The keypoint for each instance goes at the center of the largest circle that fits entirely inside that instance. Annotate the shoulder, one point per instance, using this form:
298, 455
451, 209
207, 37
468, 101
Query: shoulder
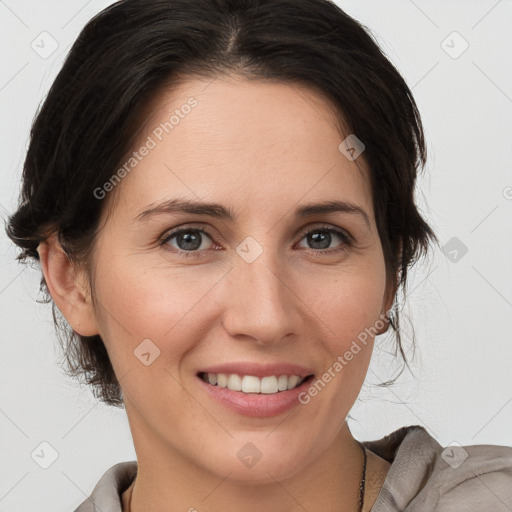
476, 477
427, 476
106, 496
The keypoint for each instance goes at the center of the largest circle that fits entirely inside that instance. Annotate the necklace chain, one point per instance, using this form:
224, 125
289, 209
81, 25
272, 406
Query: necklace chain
363, 479
361, 484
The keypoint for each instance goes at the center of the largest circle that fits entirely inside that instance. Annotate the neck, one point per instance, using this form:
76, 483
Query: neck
167, 480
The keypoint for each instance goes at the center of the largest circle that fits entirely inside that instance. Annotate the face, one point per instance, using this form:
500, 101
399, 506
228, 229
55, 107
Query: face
258, 280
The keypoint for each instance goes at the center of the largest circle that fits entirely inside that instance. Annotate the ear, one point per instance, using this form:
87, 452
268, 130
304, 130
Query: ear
387, 303
68, 287
389, 297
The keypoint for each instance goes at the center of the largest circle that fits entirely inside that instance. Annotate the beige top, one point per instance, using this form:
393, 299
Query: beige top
423, 477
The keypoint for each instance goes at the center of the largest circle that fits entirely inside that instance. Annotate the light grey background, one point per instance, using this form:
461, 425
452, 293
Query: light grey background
461, 390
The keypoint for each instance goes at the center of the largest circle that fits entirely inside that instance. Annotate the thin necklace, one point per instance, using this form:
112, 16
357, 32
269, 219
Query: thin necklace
361, 485
363, 479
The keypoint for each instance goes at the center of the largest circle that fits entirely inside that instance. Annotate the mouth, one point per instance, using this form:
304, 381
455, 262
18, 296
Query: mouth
256, 389
251, 384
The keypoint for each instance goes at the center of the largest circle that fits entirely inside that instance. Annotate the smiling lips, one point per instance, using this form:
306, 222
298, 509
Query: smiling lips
253, 389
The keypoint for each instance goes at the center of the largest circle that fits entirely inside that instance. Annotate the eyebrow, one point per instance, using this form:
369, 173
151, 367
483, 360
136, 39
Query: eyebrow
219, 211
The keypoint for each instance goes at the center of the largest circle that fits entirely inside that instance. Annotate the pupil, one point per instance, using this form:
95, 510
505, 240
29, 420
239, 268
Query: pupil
318, 237
188, 241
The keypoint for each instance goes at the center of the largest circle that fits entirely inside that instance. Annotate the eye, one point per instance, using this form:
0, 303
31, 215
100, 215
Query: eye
192, 241
321, 238
187, 241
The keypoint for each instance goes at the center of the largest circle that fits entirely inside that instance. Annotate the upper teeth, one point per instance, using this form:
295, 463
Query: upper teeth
252, 384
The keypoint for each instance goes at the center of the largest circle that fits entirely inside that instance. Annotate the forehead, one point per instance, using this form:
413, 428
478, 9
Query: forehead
254, 145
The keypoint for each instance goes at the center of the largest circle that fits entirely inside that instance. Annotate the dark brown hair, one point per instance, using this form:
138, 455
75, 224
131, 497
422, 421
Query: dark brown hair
127, 53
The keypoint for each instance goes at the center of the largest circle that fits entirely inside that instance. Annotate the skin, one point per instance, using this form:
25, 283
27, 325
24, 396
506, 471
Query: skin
261, 149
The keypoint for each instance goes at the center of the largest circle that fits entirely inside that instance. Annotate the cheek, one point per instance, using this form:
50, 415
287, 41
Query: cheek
346, 306
348, 301
160, 304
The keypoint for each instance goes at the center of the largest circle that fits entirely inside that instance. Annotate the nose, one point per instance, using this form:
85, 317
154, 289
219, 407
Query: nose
260, 304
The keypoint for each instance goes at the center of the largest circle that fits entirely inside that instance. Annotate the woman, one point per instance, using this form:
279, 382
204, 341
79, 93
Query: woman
221, 196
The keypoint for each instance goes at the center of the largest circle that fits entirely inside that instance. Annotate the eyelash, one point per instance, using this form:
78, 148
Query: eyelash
347, 240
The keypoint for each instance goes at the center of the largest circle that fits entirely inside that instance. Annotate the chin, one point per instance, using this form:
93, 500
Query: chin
257, 461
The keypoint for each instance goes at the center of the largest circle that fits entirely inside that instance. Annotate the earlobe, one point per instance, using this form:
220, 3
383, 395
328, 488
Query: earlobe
382, 323
67, 287
387, 305
389, 298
